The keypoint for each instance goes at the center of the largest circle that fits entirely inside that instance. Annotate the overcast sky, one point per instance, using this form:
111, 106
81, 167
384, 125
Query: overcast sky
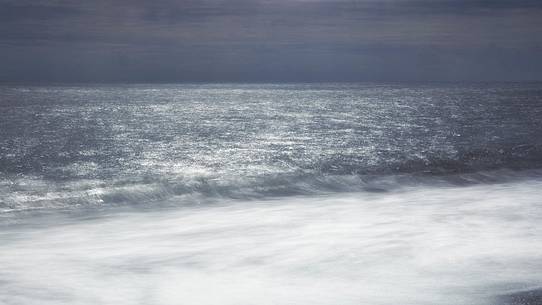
270, 40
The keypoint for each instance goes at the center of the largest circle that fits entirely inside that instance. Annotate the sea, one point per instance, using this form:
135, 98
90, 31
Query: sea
271, 194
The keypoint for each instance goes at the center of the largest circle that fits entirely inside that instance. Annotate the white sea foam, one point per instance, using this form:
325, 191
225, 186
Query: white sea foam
454, 245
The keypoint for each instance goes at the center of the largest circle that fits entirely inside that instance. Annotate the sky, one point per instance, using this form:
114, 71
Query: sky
270, 40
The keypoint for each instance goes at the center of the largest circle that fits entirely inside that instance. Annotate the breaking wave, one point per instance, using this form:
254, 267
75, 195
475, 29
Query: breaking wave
36, 193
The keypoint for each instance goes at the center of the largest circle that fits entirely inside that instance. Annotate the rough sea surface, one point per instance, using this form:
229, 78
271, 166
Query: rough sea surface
336, 194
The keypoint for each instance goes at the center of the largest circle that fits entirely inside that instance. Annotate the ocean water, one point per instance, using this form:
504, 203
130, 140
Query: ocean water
271, 194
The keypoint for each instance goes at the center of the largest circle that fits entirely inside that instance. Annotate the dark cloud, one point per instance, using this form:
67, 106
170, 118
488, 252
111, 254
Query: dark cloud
274, 40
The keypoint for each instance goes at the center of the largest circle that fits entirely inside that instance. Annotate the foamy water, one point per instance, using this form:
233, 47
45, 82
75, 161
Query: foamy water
420, 246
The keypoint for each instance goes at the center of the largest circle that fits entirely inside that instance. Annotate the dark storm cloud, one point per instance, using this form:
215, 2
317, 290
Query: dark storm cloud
275, 40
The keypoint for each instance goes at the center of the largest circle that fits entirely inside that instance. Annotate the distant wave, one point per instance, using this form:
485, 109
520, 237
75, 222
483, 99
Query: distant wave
341, 173
28, 193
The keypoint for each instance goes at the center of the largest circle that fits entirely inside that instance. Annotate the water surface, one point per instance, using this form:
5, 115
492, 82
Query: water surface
270, 194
